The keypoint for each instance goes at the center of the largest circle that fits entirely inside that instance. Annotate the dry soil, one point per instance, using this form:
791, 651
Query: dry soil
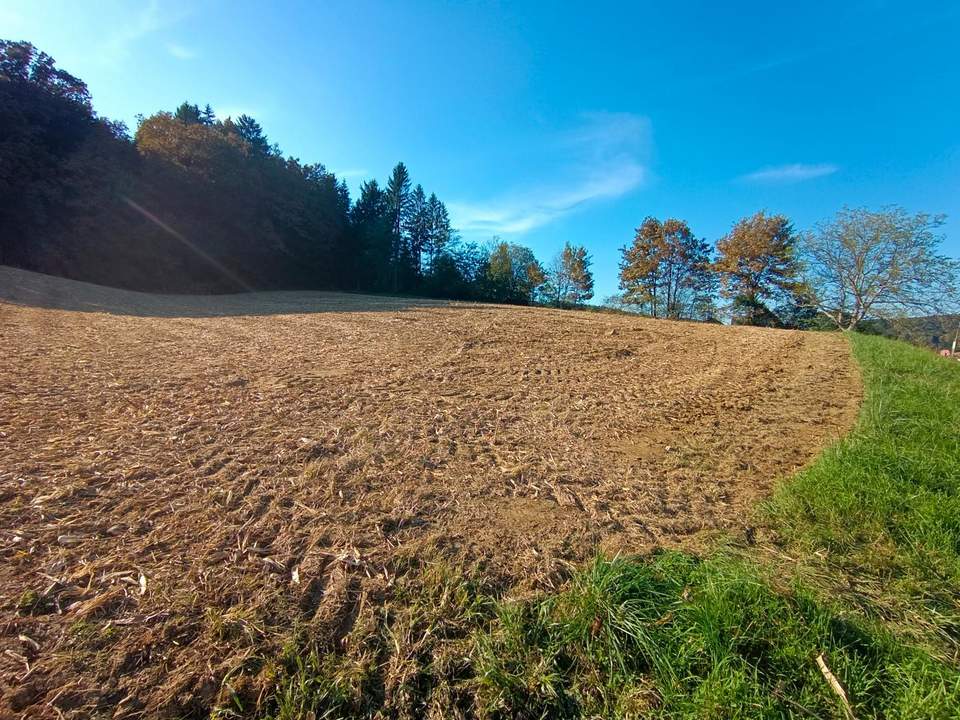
167, 463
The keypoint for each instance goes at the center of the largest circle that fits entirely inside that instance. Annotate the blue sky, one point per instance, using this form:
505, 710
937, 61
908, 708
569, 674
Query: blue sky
544, 122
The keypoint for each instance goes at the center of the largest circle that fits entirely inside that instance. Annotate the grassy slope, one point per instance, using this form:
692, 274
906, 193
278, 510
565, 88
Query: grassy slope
883, 506
865, 570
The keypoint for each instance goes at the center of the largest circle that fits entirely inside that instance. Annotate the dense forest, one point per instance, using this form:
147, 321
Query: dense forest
194, 203
189, 202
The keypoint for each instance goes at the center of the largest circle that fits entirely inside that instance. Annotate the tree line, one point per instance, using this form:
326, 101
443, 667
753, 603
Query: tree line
860, 265
190, 202
194, 203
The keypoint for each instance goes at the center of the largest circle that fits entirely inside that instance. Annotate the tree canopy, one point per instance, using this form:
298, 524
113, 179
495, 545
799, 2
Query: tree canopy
757, 264
192, 203
569, 280
878, 264
513, 273
666, 269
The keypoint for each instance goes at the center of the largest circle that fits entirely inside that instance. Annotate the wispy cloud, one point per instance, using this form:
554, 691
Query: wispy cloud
151, 18
180, 52
600, 159
796, 172
532, 209
118, 42
852, 41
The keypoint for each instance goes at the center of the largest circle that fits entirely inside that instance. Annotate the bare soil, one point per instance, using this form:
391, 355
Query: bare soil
183, 479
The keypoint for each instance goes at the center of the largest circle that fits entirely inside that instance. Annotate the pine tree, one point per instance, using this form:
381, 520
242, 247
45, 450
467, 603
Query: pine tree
417, 229
207, 116
440, 232
370, 221
343, 197
250, 130
188, 114
398, 208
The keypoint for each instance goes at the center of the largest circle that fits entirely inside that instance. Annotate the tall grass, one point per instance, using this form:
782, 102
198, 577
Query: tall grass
865, 573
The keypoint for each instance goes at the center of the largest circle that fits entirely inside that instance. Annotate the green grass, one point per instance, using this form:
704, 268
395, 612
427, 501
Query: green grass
679, 637
880, 511
866, 570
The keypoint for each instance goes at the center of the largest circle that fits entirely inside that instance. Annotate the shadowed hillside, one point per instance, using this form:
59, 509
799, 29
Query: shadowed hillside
21, 287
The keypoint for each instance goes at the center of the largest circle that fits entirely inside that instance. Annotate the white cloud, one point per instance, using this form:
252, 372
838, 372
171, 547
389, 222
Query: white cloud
600, 159
534, 208
605, 134
150, 19
790, 173
180, 52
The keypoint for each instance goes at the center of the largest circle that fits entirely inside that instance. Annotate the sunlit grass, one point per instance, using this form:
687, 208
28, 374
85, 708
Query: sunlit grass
882, 508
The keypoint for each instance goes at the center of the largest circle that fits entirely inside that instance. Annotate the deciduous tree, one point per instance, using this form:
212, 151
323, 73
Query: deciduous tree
757, 263
878, 264
193, 204
666, 269
513, 273
569, 280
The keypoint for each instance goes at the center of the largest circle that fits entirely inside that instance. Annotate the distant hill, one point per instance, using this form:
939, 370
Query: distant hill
934, 331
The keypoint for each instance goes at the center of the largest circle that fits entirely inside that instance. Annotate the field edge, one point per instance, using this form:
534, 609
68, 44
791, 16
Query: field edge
738, 630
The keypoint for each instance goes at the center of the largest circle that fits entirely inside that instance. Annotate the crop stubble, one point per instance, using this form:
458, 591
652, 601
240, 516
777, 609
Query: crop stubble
176, 466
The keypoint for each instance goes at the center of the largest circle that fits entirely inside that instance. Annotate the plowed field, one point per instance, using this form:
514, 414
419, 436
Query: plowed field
167, 462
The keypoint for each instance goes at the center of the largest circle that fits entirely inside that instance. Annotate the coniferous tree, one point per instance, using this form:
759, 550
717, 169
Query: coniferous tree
440, 233
417, 230
370, 221
207, 116
398, 208
211, 206
251, 131
187, 113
